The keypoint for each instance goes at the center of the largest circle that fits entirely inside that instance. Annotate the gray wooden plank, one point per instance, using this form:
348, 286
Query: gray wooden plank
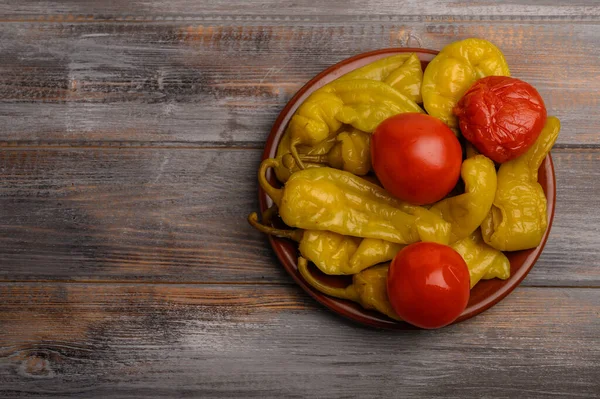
131, 214
180, 215
266, 8
223, 83
73, 340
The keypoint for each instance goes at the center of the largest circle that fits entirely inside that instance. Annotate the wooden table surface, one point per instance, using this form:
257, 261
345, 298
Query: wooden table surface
130, 135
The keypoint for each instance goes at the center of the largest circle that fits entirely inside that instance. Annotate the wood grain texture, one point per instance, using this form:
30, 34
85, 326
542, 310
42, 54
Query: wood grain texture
71, 340
135, 10
179, 215
223, 82
130, 135
130, 214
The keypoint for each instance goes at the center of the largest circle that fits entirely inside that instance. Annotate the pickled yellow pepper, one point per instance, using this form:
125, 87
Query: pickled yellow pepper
518, 218
333, 253
338, 201
465, 212
368, 288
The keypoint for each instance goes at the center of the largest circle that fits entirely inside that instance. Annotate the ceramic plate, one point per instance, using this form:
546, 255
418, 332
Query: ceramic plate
483, 296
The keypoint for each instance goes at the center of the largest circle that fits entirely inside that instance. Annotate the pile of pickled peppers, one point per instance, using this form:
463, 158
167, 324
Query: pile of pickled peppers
346, 223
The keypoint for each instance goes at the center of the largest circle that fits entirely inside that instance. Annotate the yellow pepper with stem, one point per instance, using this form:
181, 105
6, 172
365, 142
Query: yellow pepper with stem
351, 152
334, 200
368, 288
287, 164
315, 119
518, 218
361, 103
333, 253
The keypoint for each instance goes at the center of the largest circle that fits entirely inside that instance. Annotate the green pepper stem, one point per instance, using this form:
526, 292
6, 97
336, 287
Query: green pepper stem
288, 161
314, 158
269, 214
275, 193
295, 235
348, 293
294, 151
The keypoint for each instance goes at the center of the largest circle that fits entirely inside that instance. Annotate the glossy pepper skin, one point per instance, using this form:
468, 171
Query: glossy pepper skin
372, 251
450, 74
402, 72
368, 102
334, 200
315, 118
351, 152
465, 212
361, 103
408, 78
483, 261
333, 253
378, 70
287, 164
368, 288
518, 218
501, 116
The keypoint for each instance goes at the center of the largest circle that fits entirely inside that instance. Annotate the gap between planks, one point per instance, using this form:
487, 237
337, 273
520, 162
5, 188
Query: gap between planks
250, 145
242, 145
154, 282
308, 18
220, 283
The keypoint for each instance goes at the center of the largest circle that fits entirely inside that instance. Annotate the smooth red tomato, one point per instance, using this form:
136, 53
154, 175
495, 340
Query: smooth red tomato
416, 157
428, 284
501, 116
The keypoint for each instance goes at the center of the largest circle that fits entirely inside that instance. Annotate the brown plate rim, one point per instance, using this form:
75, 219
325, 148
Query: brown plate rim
343, 307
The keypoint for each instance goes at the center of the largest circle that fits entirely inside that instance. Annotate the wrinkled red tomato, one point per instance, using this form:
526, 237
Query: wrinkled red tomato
501, 116
428, 284
416, 157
